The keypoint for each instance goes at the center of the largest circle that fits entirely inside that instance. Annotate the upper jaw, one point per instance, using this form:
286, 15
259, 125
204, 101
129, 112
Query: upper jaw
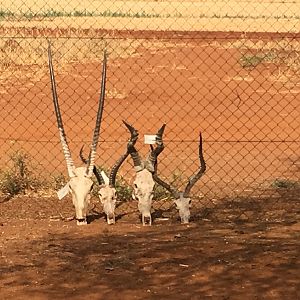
111, 219
81, 221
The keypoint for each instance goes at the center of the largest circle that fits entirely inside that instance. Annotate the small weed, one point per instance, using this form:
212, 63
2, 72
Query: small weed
285, 184
5, 14
248, 61
124, 190
19, 178
160, 193
252, 60
58, 181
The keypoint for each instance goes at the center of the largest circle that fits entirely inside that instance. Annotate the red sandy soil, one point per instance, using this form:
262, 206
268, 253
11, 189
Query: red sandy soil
245, 249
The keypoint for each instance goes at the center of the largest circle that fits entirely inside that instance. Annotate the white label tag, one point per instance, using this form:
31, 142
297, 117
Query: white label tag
149, 139
63, 191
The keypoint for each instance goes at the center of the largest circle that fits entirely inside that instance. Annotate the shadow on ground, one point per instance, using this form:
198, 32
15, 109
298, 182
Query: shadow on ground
242, 248
163, 262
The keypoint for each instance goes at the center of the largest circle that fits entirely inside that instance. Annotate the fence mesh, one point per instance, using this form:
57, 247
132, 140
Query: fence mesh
229, 69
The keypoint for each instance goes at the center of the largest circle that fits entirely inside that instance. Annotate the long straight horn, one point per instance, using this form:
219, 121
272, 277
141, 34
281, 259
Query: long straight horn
199, 174
133, 138
138, 166
63, 138
95, 170
94, 144
152, 159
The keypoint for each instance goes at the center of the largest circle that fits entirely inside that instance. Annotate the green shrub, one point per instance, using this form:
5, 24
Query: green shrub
19, 177
285, 184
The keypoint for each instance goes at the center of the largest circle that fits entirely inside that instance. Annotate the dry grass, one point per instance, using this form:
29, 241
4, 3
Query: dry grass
282, 55
269, 16
25, 59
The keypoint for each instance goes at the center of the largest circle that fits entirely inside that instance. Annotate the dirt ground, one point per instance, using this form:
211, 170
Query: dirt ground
239, 249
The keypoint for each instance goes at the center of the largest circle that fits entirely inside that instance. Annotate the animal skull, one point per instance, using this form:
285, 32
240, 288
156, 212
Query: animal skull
80, 183
143, 193
182, 199
183, 205
80, 187
107, 191
108, 197
144, 184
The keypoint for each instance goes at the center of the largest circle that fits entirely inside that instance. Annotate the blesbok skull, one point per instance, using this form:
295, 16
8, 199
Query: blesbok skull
107, 185
143, 184
182, 199
80, 183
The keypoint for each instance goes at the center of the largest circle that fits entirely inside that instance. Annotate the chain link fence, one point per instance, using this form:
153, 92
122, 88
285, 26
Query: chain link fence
229, 69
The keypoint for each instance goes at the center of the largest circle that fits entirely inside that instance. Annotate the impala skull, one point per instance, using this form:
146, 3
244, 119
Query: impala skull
182, 199
183, 205
80, 183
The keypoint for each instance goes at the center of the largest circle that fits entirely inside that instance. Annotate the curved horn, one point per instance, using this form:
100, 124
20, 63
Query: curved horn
96, 134
197, 176
132, 151
152, 159
134, 136
175, 193
95, 170
63, 138
83, 159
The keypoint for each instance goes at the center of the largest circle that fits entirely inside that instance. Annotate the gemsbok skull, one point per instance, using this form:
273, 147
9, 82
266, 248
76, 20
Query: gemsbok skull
144, 184
182, 199
80, 183
107, 190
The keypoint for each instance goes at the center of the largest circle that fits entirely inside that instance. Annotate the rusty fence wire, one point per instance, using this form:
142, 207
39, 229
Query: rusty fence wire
230, 69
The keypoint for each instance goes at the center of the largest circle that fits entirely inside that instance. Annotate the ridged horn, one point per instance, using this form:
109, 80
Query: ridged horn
63, 138
92, 156
131, 142
198, 175
138, 165
152, 159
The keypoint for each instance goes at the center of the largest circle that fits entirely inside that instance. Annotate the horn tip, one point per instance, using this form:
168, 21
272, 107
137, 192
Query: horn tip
162, 129
130, 128
81, 149
105, 53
